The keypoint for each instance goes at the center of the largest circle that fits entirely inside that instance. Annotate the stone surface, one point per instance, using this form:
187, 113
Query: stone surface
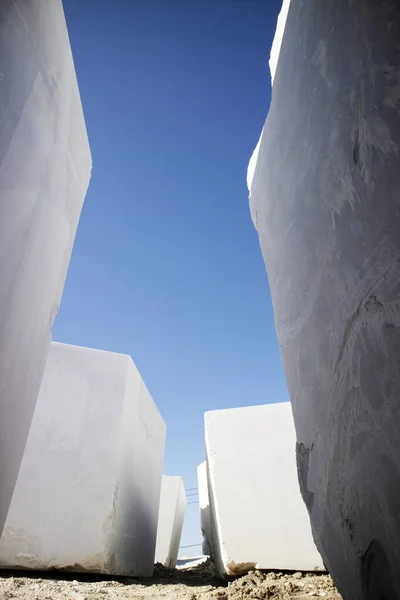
204, 502
258, 518
325, 201
170, 520
45, 167
277, 41
273, 63
87, 496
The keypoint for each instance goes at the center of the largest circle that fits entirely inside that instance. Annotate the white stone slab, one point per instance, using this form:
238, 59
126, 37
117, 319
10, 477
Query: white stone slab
170, 520
204, 503
258, 518
45, 167
190, 562
87, 496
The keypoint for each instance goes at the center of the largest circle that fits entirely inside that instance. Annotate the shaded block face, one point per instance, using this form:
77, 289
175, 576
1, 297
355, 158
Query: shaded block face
45, 167
170, 520
204, 503
326, 203
258, 518
87, 495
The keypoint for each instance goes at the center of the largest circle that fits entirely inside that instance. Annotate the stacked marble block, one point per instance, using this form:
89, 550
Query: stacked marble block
87, 495
325, 198
204, 505
170, 520
45, 167
256, 517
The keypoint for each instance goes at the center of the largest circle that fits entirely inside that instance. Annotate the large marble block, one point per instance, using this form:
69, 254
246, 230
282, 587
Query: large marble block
204, 504
87, 495
45, 167
170, 520
258, 518
325, 199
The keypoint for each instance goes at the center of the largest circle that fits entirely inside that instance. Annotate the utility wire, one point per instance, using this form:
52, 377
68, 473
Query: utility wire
194, 502
189, 495
191, 489
191, 546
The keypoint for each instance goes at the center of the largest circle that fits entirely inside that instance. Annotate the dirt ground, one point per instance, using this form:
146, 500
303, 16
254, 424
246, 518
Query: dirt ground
199, 583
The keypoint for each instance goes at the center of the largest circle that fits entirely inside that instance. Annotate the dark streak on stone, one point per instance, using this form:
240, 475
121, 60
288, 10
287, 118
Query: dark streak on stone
376, 575
303, 456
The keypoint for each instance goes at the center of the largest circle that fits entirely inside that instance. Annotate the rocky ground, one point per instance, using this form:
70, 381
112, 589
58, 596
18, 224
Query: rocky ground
198, 583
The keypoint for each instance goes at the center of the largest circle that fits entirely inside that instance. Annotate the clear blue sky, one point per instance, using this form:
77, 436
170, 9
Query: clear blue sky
166, 265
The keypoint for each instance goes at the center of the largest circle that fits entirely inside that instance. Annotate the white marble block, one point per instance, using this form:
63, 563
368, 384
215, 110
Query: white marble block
170, 520
204, 503
45, 167
258, 518
87, 495
325, 200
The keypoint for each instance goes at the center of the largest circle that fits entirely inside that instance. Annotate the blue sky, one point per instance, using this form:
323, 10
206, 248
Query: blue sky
166, 265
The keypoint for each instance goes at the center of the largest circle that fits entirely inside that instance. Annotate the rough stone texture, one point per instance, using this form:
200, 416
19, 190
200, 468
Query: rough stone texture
87, 496
257, 518
170, 520
325, 201
45, 167
204, 502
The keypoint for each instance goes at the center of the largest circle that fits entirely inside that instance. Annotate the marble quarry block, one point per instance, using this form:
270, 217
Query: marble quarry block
170, 520
258, 518
87, 495
325, 200
204, 503
45, 167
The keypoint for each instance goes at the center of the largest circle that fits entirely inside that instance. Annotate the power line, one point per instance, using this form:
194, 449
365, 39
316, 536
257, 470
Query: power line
195, 494
191, 546
191, 489
194, 502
